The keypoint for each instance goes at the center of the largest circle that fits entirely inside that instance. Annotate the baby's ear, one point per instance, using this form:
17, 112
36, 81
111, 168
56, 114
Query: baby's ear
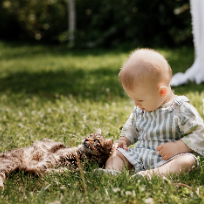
163, 91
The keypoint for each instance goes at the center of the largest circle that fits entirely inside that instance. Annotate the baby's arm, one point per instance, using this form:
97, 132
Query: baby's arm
170, 149
128, 134
123, 142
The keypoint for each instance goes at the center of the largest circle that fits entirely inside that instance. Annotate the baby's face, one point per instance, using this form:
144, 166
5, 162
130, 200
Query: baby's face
145, 97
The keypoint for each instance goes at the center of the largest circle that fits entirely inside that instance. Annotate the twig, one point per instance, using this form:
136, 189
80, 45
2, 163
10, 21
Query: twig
182, 184
82, 177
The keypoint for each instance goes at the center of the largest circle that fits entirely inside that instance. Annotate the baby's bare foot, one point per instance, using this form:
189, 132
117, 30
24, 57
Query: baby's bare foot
143, 174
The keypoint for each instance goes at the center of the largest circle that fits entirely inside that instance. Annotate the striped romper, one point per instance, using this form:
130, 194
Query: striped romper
175, 120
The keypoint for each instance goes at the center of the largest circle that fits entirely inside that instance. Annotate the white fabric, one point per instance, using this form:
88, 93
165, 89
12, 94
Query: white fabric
196, 71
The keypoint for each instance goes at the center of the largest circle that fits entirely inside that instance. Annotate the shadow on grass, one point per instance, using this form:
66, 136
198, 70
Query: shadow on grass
99, 84
15, 50
91, 84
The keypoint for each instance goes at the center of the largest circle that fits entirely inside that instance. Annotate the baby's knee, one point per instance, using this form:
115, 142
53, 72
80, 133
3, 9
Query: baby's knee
187, 161
116, 161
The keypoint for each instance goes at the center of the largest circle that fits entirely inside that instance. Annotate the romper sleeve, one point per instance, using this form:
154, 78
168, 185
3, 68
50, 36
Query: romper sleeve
129, 131
192, 128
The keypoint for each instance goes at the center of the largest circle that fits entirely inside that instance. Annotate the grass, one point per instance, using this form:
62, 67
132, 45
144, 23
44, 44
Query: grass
52, 92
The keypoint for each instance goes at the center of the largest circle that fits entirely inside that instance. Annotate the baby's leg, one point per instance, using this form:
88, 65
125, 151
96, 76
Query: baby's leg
117, 161
179, 164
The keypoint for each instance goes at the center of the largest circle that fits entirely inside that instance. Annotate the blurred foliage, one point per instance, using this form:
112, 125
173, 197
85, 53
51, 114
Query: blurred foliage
40, 20
105, 23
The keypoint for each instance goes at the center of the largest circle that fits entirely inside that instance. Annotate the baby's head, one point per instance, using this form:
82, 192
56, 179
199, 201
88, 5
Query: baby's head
146, 77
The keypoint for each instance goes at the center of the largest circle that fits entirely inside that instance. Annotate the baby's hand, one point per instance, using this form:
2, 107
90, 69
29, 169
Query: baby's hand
123, 143
168, 150
120, 144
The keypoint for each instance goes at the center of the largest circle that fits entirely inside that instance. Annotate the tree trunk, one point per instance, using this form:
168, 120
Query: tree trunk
72, 21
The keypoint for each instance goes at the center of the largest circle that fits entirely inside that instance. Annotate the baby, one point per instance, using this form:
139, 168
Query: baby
165, 128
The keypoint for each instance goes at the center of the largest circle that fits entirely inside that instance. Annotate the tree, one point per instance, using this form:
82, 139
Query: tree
72, 21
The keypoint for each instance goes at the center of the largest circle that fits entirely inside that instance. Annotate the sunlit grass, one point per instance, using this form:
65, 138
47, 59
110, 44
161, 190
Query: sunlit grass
51, 92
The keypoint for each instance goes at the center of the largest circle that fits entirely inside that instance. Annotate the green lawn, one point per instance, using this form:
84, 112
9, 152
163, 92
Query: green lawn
56, 93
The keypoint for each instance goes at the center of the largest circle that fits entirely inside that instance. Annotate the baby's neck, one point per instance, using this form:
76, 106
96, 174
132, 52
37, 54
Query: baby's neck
171, 96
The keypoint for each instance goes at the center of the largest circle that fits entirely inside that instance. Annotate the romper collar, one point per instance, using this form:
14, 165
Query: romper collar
171, 105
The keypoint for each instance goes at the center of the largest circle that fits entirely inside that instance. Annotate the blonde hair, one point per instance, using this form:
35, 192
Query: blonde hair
145, 65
